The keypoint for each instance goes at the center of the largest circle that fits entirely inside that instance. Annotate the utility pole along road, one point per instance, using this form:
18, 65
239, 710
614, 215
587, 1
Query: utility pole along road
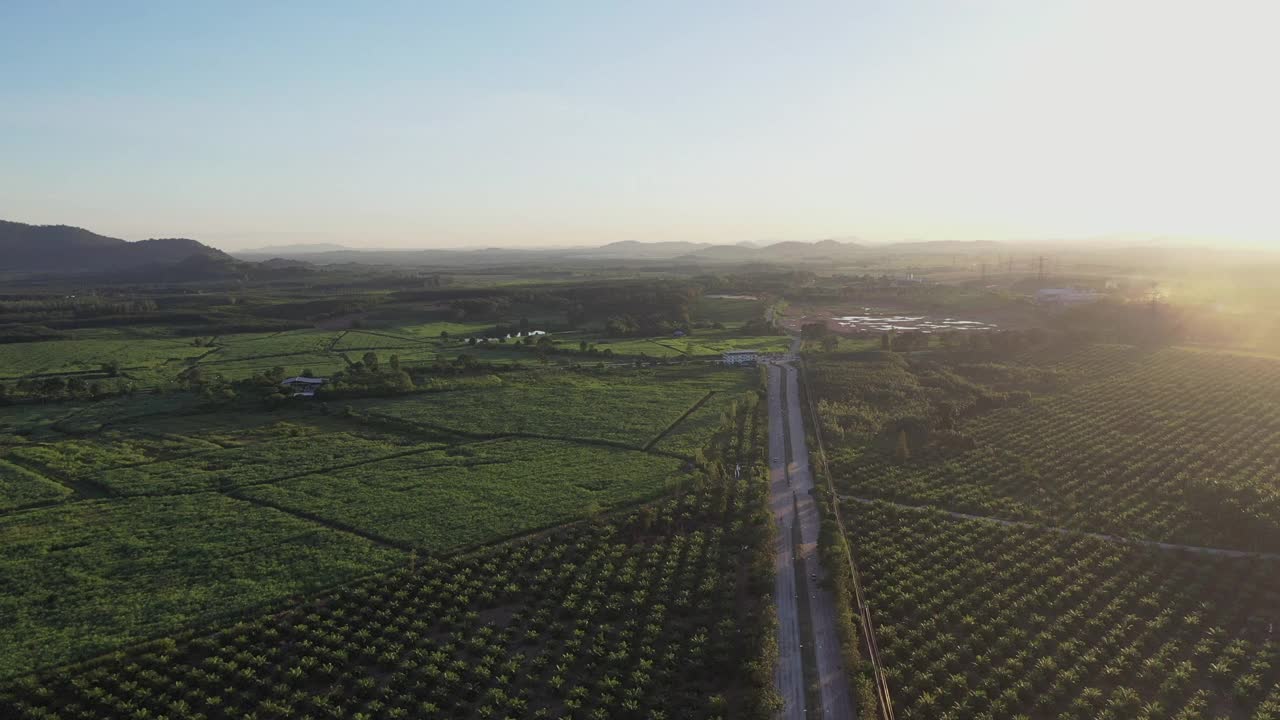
790, 485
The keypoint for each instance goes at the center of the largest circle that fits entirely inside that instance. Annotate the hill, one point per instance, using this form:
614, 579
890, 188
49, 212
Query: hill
295, 249
66, 249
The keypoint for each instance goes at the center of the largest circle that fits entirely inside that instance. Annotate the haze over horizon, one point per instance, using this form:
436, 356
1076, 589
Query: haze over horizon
509, 124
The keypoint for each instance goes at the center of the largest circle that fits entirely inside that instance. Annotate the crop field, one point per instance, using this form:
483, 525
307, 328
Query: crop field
293, 342
21, 423
726, 309
656, 612
1168, 445
981, 620
135, 516
88, 356
702, 344
20, 487
629, 408
444, 499
84, 577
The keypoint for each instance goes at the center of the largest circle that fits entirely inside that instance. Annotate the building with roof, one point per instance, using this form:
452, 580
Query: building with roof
740, 357
302, 386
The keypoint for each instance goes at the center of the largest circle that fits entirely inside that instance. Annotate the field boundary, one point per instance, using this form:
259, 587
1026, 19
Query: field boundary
323, 521
692, 409
84, 489
518, 434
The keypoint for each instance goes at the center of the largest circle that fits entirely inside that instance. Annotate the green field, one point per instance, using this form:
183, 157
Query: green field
660, 612
627, 408
88, 356
473, 493
153, 512
20, 487
86, 577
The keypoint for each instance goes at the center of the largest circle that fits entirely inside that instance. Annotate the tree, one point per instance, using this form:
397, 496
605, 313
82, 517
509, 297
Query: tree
308, 372
194, 377
111, 368
395, 363
902, 452
885, 342
370, 360
403, 383
830, 343
444, 334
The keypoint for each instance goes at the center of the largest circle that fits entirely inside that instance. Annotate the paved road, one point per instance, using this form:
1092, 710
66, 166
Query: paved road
790, 483
1221, 552
789, 675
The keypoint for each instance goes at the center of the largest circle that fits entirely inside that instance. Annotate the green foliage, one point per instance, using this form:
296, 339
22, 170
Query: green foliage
474, 493
118, 571
627, 408
647, 614
20, 487
996, 621
1171, 445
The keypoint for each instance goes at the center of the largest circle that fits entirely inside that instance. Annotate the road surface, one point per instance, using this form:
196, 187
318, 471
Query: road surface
791, 482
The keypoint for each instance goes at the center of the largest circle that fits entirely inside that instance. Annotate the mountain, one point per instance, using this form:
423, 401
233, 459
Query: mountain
66, 249
785, 251
636, 250
295, 249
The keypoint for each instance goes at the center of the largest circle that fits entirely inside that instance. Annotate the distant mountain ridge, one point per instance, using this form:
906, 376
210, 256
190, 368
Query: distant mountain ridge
67, 249
296, 249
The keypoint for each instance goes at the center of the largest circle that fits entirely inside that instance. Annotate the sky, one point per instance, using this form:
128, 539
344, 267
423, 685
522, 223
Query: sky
464, 124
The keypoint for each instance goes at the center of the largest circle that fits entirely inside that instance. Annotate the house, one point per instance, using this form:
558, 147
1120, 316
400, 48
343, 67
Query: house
302, 386
739, 357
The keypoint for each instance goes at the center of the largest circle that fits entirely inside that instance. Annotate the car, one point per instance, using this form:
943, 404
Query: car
813, 577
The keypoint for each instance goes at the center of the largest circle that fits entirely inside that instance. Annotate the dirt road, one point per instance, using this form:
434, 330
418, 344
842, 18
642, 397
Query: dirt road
791, 483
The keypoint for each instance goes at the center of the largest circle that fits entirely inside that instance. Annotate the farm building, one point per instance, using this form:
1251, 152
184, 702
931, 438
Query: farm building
739, 357
302, 386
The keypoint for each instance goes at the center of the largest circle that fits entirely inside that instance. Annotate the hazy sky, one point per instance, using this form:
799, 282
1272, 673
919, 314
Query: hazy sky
540, 122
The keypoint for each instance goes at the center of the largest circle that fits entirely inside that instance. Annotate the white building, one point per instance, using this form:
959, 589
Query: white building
302, 386
739, 357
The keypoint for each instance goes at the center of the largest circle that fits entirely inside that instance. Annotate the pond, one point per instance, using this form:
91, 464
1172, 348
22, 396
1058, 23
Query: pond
884, 322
